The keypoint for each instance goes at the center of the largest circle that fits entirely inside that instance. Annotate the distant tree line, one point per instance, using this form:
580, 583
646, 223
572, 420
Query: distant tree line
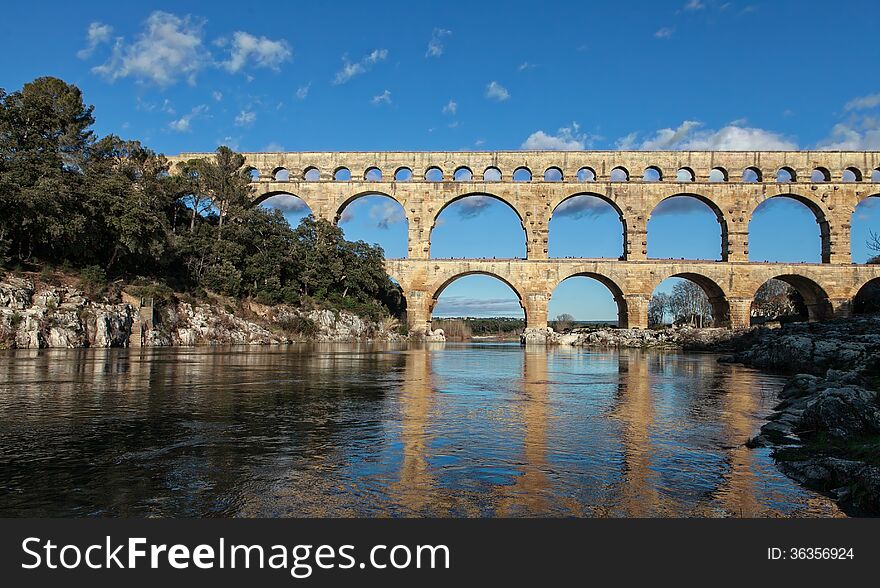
111, 208
467, 327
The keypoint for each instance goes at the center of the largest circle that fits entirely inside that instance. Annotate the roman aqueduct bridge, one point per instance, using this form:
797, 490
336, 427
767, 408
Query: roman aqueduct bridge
535, 183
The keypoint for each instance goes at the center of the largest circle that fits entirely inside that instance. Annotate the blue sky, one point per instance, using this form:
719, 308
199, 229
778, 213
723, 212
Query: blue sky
293, 76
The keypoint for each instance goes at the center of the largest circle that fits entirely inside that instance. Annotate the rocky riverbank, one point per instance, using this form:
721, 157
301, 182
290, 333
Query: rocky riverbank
826, 429
36, 314
666, 338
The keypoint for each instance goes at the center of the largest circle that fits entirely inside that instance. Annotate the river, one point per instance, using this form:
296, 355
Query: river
464, 430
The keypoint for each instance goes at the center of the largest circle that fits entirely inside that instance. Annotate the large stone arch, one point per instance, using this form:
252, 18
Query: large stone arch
613, 287
438, 287
348, 200
262, 196
816, 206
851, 225
717, 294
708, 201
818, 302
604, 198
501, 198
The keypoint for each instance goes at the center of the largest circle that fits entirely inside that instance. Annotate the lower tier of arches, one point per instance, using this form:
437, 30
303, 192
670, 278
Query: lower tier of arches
827, 290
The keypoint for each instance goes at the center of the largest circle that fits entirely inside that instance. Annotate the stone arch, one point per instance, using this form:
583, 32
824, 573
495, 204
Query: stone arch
342, 205
619, 174
286, 206
263, 196
251, 173
458, 197
438, 287
522, 174
403, 174
718, 297
463, 174
862, 220
718, 174
852, 174
786, 175
752, 174
586, 174
311, 174
373, 174
875, 175
433, 174
685, 174
613, 287
819, 213
652, 173
719, 216
604, 198
390, 213
492, 174
281, 174
342, 174
553, 174
867, 298
820, 174
815, 297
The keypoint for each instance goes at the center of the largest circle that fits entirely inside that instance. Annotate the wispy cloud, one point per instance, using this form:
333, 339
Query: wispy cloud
473, 206
451, 108
435, 45
170, 47
690, 135
863, 102
184, 123
681, 205
350, 70
97, 34
383, 98
286, 203
303, 91
565, 139
248, 50
583, 207
495, 91
664, 33
694, 5
245, 118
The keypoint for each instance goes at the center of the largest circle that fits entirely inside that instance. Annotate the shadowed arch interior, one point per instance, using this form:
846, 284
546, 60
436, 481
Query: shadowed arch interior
816, 299
867, 299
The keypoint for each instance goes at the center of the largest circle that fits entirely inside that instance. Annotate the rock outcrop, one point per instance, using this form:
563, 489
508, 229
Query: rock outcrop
35, 315
669, 337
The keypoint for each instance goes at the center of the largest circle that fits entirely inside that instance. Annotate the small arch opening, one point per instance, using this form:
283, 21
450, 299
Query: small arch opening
752, 175
820, 174
252, 173
522, 174
553, 174
463, 174
342, 174
785, 175
492, 174
651, 174
875, 176
281, 174
434, 174
718, 174
403, 174
619, 174
373, 174
852, 174
685, 174
586, 174
312, 174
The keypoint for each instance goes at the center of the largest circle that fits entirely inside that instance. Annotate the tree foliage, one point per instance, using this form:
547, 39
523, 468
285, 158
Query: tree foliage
116, 207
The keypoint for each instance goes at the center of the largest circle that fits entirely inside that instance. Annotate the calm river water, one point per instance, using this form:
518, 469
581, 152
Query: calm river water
358, 430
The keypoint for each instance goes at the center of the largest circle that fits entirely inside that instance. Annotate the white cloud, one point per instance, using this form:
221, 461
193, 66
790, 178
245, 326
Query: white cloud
285, 203
97, 34
863, 102
217, 95
690, 135
170, 47
583, 206
565, 139
435, 45
450, 108
257, 51
303, 91
245, 118
496, 91
383, 98
350, 70
183, 124
386, 214
525, 65
664, 33
694, 5
860, 136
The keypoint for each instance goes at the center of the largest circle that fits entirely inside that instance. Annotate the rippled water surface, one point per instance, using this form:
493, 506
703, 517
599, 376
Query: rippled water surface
356, 430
